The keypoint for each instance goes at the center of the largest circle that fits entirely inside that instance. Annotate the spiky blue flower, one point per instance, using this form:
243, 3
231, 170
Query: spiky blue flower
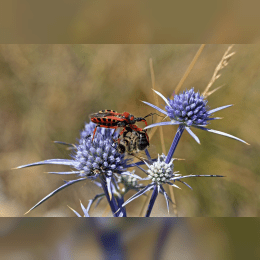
98, 156
189, 109
160, 172
91, 159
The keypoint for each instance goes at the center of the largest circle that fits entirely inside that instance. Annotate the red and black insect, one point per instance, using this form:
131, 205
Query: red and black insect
112, 119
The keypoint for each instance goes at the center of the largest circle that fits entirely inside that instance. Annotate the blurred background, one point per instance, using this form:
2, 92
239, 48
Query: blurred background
48, 92
134, 238
129, 21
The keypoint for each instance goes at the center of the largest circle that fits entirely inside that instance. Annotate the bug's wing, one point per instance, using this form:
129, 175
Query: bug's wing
116, 118
99, 115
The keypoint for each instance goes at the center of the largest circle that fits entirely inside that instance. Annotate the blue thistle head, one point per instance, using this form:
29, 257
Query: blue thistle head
98, 156
189, 108
90, 159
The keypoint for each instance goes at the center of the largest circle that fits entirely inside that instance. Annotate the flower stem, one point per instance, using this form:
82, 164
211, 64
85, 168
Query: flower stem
112, 202
175, 143
120, 202
153, 198
148, 154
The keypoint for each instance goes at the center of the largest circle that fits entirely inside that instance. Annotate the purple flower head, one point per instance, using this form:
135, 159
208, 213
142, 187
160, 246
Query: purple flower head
188, 108
90, 159
98, 156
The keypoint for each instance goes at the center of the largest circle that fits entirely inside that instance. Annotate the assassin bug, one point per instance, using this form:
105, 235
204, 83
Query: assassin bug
112, 119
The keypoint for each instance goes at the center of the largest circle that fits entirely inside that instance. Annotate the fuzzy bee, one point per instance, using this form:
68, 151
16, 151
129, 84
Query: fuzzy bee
133, 142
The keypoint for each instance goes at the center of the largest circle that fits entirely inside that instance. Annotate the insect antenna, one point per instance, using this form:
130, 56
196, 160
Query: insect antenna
151, 114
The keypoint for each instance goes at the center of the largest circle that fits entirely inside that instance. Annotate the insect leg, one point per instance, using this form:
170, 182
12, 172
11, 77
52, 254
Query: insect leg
94, 132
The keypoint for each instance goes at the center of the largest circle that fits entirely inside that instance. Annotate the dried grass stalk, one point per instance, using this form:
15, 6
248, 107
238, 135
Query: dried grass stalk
222, 64
187, 72
151, 135
157, 104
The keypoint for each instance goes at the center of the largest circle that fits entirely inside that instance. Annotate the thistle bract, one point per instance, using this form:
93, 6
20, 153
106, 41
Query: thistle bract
85, 210
189, 108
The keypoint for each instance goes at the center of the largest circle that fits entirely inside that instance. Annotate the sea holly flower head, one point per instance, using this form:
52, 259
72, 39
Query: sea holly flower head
188, 108
90, 159
129, 180
98, 156
161, 172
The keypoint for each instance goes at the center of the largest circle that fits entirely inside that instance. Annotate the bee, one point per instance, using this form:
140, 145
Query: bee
133, 141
